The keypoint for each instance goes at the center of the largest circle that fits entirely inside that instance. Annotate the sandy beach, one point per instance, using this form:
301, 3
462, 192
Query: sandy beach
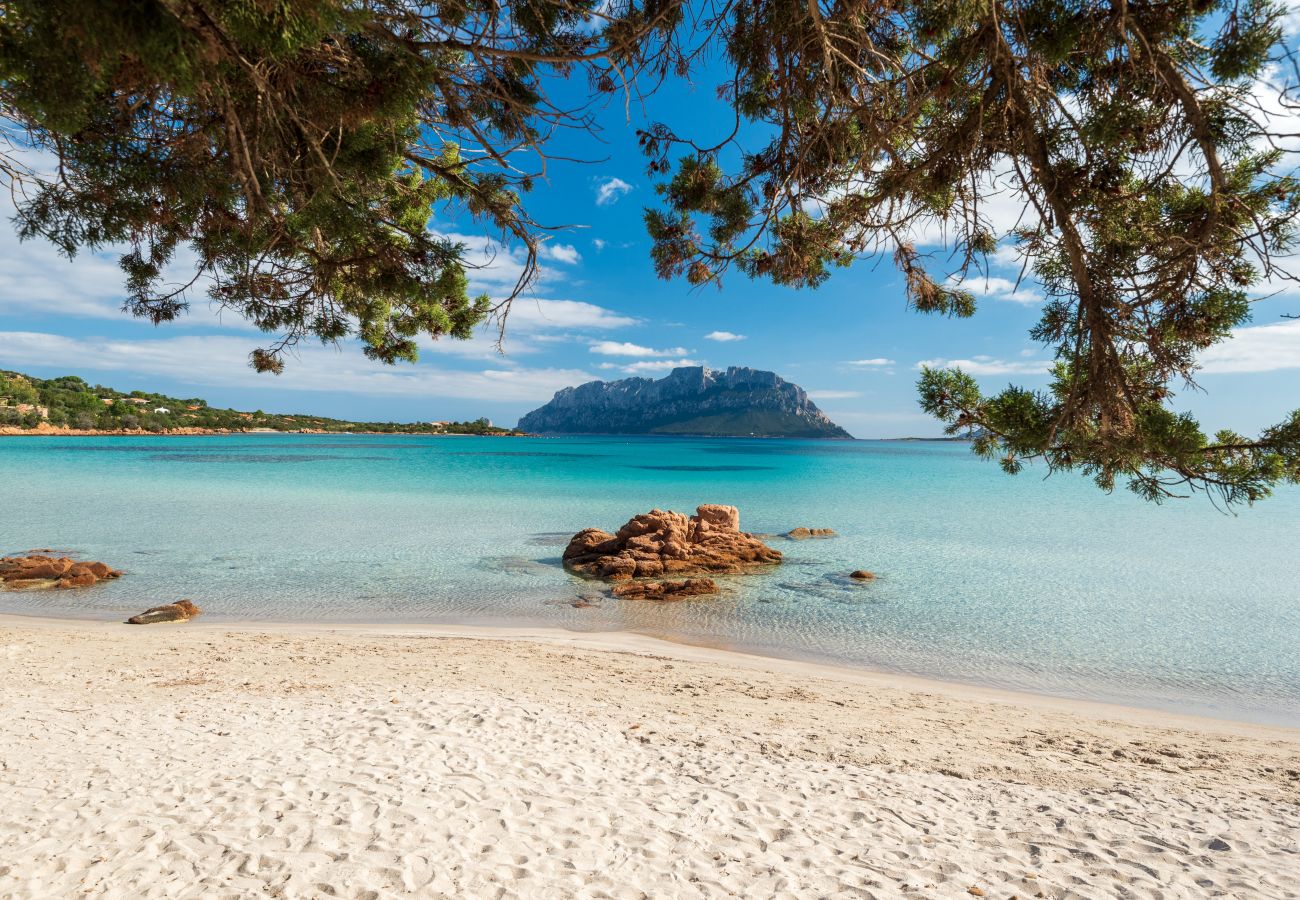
204, 760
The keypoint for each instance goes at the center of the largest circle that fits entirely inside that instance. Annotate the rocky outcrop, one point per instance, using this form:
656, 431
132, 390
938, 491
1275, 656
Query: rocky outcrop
661, 543
689, 400
38, 570
665, 590
803, 534
180, 611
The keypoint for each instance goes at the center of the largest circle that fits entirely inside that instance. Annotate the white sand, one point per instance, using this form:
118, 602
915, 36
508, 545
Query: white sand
203, 761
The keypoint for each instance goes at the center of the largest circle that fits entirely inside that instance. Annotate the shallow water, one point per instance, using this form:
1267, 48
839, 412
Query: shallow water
1039, 584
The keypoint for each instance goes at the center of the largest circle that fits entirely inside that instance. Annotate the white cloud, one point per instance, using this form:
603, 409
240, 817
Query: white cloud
1256, 348
562, 253
531, 314
834, 395
988, 365
35, 279
598, 243
495, 268
624, 348
723, 336
223, 361
658, 365
996, 288
610, 190
876, 363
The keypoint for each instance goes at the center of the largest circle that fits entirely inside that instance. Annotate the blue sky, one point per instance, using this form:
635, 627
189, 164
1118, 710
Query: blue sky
599, 312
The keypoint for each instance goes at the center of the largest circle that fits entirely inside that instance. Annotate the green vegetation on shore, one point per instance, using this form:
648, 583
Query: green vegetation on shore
69, 402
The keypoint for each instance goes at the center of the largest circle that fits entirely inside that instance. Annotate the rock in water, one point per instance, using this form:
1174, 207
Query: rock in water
803, 534
180, 611
661, 542
665, 590
39, 571
862, 575
688, 400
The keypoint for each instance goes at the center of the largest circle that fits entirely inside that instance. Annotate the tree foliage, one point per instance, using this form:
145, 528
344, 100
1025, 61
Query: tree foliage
294, 152
1133, 142
69, 401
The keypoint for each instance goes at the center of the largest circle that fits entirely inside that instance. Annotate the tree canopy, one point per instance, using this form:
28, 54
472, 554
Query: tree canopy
296, 149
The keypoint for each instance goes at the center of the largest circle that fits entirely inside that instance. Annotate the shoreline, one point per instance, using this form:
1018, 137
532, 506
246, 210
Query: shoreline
308, 761
217, 432
638, 643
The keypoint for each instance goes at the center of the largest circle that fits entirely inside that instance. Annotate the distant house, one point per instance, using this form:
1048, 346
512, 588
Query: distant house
107, 401
42, 411
162, 409
138, 401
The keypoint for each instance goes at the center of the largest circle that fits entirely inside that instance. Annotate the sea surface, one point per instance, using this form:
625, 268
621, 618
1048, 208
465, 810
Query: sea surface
1042, 584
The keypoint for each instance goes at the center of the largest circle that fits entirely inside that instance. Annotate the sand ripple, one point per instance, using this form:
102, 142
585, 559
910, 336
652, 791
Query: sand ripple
212, 765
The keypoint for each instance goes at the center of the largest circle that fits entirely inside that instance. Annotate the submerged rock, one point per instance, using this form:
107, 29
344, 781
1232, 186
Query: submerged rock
665, 590
803, 534
663, 542
39, 571
180, 611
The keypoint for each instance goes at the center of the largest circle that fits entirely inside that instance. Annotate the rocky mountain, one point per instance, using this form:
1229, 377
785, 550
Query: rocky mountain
689, 401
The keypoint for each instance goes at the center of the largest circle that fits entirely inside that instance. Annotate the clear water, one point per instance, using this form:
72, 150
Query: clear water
1040, 584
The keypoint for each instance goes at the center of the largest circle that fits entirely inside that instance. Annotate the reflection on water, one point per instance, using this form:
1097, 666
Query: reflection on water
1023, 582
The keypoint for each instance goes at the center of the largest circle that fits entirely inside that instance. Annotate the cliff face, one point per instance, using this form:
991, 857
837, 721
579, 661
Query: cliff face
690, 400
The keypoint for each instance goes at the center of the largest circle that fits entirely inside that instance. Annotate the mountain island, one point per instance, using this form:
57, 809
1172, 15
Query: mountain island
691, 400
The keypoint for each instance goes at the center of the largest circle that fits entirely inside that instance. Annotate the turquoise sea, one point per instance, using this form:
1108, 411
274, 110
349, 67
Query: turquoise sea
1040, 584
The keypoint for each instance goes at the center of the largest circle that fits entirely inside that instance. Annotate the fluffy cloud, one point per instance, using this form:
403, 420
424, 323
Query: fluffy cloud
609, 190
624, 348
1256, 348
988, 365
495, 268
878, 362
723, 336
598, 243
658, 365
223, 361
531, 314
997, 289
562, 253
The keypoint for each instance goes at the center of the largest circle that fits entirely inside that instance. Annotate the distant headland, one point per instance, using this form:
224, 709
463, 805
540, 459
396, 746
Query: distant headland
691, 400
70, 406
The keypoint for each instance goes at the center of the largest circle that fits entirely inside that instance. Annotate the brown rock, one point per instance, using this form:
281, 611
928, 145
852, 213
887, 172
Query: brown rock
726, 518
180, 611
665, 590
662, 542
862, 575
37, 570
803, 534
47, 569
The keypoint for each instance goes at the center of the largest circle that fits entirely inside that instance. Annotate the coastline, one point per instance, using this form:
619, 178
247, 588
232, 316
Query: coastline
640, 643
61, 431
412, 761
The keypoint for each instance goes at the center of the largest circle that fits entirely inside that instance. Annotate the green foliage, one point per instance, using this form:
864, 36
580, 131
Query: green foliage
1132, 135
295, 151
73, 403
